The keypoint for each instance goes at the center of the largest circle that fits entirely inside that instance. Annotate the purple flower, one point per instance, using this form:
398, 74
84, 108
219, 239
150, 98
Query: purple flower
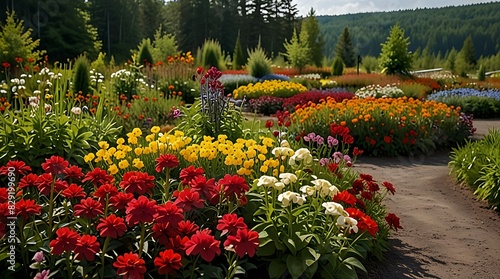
332, 141
38, 257
319, 140
324, 161
176, 113
347, 158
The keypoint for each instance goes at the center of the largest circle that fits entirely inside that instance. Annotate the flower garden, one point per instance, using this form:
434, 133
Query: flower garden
150, 174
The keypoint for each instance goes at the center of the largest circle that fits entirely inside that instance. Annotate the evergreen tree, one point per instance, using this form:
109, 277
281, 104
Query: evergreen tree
238, 58
297, 50
15, 41
163, 46
394, 57
344, 49
315, 40
468, 52
451, 60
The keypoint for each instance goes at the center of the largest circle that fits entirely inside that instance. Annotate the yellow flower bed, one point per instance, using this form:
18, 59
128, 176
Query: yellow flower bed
276, 88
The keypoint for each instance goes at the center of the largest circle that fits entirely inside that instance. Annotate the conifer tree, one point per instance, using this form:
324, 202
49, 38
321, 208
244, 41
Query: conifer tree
238, 58
344, 49
394, 57
297, 50
315, 40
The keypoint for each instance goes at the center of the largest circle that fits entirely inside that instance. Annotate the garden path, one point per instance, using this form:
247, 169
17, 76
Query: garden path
447, 232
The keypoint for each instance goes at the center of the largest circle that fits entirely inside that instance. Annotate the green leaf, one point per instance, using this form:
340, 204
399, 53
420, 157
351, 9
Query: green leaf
351, 261
277, 268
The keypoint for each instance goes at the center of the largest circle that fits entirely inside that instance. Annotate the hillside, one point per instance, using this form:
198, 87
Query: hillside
439, 29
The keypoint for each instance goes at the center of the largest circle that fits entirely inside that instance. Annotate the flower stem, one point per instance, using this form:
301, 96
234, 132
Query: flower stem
166, 187
141, 243
69, 265
51, 207
103, 254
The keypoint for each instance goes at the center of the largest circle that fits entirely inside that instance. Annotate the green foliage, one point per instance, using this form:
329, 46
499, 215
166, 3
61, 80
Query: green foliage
212, 54
468, 52
338, 66
16, 42
395, 58
144, 56
99, 64
315, 41
481, 74
480, 107
127, 82
345, 49
370, 64
81, 76
298, 51
187, 89
476, 164
238, 58
163, 46
258, 64
451, 60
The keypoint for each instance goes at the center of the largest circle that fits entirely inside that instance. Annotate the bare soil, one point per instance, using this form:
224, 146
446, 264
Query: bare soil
447, 232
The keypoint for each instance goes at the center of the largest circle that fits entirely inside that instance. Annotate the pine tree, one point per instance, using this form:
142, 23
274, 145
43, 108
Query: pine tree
297, 50
344, 49
238, 58
394, 57
315, 40
468, 52
16, 42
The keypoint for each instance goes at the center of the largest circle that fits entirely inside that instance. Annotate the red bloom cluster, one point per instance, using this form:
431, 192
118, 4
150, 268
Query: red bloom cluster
365, 222
137, 182
166, 161
55, 165
141, 210
189, 173
341, 131
130, 266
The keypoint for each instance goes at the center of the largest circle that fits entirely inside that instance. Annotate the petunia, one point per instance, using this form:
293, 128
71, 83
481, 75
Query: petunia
130, 266
168, 262
111, 226
204, 244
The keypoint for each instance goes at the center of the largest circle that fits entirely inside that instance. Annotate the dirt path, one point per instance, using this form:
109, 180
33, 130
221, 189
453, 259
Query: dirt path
447, 232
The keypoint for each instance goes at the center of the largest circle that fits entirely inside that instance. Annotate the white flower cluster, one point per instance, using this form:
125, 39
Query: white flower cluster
377, 91
309, 76
322, 187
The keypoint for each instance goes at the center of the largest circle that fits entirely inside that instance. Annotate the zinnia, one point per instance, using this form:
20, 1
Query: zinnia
244, 242
141, 210
65, 241
130, 266
204, 244
166, 161
168, 262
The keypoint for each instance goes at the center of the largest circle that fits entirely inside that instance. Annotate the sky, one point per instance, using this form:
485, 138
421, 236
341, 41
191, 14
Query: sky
339, 7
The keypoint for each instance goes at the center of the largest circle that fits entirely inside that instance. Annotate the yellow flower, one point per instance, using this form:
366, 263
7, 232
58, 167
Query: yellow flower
248, 164
103, 144
89, 157
120, 141
111, 151
261, 157
138, 151
264, 169
119, 154
138, 163
101, 153
132, 140
150, 138
155, 129
137, 132
146, 150
123, 164
113, 169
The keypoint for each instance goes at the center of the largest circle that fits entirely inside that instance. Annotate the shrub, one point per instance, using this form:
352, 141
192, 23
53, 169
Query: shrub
144, 56
266, 105
258, 64
307, 82
337, 67
128, 82
274, 77
238, 58
481, 74
414, 90
212, 54
480, 103
274, 88
81, 76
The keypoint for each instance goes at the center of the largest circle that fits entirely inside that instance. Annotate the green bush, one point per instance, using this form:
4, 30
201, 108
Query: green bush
81, 76
338, 67
144, 56
212, 55
481, 74
476, 164
258, 64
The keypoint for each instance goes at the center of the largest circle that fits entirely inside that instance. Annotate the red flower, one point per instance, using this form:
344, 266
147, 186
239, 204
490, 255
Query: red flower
389, 187
140, 210
357, 186
244, 242
276, 133
55, 165
177, 243
86, 247
367, 195
73, 172
4, 196
186, 228
347, 139
162, 232
137, 182
367, 224
25, 208
88, 208
74, 192
387, 139
189, 173
355, 213
187, 199
28, 181
20, 168
168, 262
169, 213
269, 123
6, 64
366, 177
204, 244
44, 183
105, 191
166, 161
98, 177
65, 241
111, 226
372, 186
345, 197
393, 221
356, 151
233, 186
130, 266
333, 167
121, 200
206, 187
230, 223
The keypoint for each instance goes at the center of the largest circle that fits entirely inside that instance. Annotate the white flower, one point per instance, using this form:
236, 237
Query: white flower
324, 187
302, 154
267, 181
287, 178
76, 110
308, 190
282, 152
333, 208
291, 197
279, 186
348, 222
284, 143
